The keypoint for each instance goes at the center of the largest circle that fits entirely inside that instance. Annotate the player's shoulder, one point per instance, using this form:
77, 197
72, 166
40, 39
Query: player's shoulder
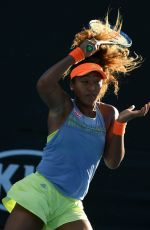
109, 109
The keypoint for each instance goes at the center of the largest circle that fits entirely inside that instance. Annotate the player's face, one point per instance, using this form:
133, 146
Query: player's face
87, 88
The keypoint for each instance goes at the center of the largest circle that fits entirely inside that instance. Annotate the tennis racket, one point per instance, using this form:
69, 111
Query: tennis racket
121, 39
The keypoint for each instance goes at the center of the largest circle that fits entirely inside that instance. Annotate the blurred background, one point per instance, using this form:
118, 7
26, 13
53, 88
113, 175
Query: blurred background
35, 35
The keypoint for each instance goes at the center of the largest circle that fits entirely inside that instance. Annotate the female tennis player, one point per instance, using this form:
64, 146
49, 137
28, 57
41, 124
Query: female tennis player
81, 131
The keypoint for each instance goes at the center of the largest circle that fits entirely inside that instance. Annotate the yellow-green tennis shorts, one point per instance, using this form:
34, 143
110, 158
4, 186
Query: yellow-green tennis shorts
39, 196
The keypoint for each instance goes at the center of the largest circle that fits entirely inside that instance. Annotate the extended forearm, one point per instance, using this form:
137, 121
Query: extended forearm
54, 73
114, 152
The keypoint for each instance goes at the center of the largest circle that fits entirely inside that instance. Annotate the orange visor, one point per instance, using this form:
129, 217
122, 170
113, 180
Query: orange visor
85, 68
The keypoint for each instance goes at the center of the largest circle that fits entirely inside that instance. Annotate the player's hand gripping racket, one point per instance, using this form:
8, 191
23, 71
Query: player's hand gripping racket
120, 39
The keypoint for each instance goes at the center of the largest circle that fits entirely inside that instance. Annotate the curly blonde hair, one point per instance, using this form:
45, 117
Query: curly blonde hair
115, 60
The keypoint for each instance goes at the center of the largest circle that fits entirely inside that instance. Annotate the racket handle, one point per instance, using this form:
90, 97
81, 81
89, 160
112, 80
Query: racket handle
89, 48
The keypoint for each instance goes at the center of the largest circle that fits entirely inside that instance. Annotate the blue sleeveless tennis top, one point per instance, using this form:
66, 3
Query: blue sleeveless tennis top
72, 155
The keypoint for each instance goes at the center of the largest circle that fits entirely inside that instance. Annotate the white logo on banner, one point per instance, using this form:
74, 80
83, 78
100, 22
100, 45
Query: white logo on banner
8, 171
